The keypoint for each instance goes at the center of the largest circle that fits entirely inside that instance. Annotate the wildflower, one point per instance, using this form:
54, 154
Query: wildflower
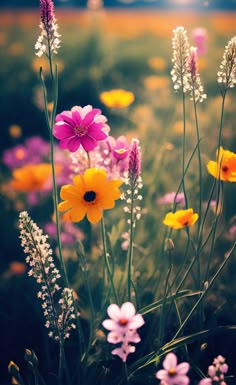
119, 147
80, 126
91, 193
225, 166
48, 42
173, 373
117, 98
180, 219
226, 75
133, 182
32, 177
196, 88
59, 314
199, 36
181, 51
170, 198
123, 325
216, 372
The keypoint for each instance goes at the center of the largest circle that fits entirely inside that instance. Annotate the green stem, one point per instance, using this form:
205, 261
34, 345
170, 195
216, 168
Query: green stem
130, 250
105, 255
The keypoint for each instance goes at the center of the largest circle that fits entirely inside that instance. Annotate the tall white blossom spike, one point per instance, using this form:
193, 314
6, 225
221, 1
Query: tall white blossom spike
226, 75
59, 314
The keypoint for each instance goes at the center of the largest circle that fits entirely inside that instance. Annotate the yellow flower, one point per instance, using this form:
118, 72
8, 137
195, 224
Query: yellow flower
180, 219
157, 63
90, 195
32, 177
117, 98
225, 166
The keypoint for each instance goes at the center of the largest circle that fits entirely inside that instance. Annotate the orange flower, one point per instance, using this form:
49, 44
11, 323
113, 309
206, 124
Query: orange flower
117, 98
90, 195
180, 219
225, 166
32, 177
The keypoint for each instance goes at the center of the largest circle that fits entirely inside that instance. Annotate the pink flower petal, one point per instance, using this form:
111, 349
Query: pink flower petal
136, 322
62, 130
182, 368
114, 312
89, 118
162, 374
113, 337
95, 130
88, 142
77, 118
181, 380
72, 143
127, 310
170, 361
65, 116
109, 324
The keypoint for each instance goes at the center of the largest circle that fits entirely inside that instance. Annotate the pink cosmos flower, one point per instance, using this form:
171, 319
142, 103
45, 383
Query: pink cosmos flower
123, 319
80, 126
173, 373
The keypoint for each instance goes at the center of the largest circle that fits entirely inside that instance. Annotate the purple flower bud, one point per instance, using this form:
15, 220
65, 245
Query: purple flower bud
134, 168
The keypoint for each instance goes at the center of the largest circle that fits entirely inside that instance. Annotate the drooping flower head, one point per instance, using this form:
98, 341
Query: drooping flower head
48, 42
90, 194
226, 75
117, 98
173, 373
225, 166
181, 50
123, 325
83, 126
180, 219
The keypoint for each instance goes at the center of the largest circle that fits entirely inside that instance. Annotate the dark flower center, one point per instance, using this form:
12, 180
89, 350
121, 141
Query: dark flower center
225, 168
89, 196
80, 130
123, 322
172, 372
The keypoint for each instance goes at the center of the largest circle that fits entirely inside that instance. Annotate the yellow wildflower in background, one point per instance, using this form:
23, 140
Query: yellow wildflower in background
157, 63
117, 98
90, 195
180, 219
32, 177
225, 166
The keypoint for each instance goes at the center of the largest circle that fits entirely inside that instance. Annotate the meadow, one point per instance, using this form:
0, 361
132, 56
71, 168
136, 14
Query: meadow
181, 280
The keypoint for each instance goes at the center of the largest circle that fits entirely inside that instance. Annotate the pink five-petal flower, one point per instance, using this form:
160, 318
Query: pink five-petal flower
81, 126
173, 373
122, 319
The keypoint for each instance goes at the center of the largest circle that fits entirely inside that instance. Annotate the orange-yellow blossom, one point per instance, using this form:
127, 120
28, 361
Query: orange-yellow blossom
117, 98
90, 194
180, 219
225, 166
32, 177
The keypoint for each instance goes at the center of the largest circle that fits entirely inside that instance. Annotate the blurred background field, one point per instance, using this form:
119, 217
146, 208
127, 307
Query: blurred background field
103, 49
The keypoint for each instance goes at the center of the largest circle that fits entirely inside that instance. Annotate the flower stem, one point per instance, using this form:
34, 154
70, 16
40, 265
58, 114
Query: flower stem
105, 255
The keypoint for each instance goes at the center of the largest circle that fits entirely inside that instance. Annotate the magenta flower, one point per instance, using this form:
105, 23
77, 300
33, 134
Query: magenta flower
80, 126
123, 319
173, 373
119, 147
199, 36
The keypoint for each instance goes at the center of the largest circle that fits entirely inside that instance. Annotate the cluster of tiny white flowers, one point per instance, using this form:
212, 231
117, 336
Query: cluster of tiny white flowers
48, 42
42, 268
196, 89
227, 71
66, 313
131, 195
181, 51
